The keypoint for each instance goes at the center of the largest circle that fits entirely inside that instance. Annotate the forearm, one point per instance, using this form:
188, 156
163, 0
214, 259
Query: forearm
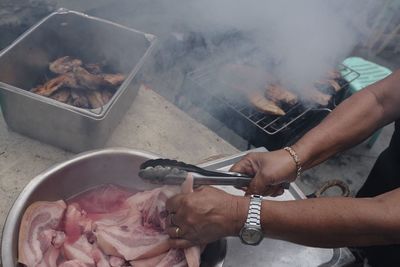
332, 222
351, 122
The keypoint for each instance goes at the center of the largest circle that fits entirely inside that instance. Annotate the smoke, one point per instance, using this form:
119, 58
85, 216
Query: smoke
301, 40
297, 41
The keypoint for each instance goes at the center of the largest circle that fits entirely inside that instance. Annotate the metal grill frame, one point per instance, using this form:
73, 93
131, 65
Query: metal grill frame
202, 76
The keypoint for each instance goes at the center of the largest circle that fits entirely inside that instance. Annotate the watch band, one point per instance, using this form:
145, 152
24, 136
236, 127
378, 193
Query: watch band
254, 213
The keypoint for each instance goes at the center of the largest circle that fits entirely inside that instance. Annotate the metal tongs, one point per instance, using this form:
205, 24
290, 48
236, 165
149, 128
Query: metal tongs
172, 172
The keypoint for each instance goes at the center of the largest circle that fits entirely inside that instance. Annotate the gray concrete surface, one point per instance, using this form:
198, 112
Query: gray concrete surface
152, 124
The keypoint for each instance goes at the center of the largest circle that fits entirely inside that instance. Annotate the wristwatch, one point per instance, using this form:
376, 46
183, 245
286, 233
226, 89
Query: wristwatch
251, 233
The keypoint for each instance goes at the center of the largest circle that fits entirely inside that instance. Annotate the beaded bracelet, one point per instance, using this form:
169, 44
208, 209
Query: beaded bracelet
296, 159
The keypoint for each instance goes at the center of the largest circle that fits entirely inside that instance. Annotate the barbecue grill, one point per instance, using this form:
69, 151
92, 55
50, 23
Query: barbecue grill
259, 129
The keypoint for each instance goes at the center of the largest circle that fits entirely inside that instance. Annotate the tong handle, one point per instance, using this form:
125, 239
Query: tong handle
166, 171
198, 179
239, 181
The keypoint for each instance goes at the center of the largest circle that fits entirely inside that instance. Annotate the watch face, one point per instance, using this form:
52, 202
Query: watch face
251, 236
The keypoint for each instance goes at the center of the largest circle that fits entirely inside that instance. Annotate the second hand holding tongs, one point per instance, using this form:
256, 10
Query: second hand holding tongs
172, 172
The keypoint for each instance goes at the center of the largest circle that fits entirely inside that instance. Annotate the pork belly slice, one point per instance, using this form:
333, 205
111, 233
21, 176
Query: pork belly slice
151, 204
76, 222
50, 258
117, 261
277, 93
64, 64
38, 231
129, 239
84, 252
172, 258
149, 262
72, 263
106, 198
262, 104
175, 258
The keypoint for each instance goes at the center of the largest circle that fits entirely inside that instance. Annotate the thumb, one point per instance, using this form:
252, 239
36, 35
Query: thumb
180, 243
243, 166
257, 185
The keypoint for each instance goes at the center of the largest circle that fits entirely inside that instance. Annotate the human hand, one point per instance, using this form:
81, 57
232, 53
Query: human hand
270, 170
203, 216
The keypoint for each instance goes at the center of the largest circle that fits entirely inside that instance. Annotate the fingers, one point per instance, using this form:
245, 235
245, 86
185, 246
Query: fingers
259, 187
180, 243
175, 232
279, 191
172, 205
245, 165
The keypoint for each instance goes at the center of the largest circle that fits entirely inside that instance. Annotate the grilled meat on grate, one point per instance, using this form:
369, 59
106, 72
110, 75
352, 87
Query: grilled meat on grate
258, 100
277, 93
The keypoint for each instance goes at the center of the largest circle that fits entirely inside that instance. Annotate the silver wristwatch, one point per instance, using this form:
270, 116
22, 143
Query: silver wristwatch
251, 233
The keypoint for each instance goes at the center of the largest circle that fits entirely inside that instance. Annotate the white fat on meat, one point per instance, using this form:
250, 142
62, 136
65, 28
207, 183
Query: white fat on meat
86, 253
129, 239
116, 261
72, 263
149, 262
174, 258
50, 258
76, 222
38, 231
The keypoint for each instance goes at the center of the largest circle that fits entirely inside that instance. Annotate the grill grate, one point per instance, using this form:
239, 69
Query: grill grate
271, 124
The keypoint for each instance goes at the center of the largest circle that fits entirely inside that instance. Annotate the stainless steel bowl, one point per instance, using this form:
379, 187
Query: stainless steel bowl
114, 165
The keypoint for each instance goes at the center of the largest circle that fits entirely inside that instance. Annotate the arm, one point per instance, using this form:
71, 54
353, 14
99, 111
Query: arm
209, 214
335, 222
352, 121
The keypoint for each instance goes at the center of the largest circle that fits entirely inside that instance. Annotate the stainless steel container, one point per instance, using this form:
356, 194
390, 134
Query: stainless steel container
114, 165
91, 39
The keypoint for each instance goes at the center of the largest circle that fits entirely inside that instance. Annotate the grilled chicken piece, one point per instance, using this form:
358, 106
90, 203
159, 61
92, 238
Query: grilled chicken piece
95, 99
94, 68
114, 79
64, 80
336, 86
277, 93
88, 80
64, 64
79, 99
328, 86
264, 105
61, 95
317, 97
334, 74
106, 96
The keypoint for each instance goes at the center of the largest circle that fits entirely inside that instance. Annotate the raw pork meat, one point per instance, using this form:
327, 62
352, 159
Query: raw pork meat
107, 226
38, 233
